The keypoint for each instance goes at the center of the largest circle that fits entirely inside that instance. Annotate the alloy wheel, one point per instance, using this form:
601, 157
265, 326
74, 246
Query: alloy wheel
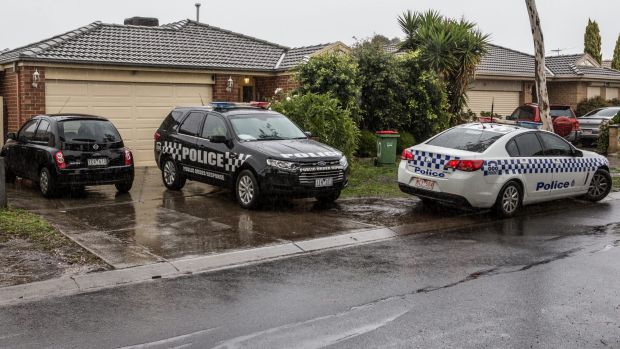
169, 173
246, 190
598, 186
510, 199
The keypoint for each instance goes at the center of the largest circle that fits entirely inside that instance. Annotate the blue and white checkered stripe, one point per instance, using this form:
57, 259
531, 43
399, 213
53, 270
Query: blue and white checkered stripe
431, 160
542, 165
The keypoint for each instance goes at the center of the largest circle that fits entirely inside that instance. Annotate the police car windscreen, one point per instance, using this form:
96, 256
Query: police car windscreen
90, 131
265, 127
466, 139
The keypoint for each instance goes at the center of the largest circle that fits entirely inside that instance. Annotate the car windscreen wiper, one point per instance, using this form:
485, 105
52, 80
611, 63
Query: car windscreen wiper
83, 139
262, 138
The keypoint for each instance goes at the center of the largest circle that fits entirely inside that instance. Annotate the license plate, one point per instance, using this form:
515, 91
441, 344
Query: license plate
587, 132
424, 184
323, 182
97, 162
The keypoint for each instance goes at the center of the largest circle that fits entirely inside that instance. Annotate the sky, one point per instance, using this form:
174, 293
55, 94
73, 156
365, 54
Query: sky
296, 23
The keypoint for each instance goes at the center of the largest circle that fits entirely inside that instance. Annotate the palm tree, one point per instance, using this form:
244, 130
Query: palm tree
451, 48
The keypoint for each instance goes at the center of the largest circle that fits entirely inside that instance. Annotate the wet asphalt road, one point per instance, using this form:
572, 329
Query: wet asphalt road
539, 280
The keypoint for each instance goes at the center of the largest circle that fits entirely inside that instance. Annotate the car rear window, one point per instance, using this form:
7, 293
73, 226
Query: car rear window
561, 111
85, 130
466, 139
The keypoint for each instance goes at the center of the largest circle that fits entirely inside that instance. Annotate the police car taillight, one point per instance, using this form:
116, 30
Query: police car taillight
464, 165
128, 157
59, 158
407, 155
156, 136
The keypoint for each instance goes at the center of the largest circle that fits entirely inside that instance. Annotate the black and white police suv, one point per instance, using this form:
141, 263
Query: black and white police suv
486, 165
254, 151
69, 151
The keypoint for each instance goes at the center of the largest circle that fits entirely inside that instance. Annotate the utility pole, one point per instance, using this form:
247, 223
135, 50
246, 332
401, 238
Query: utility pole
541, 78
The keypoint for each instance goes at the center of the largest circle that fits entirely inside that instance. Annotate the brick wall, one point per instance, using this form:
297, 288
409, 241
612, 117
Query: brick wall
567, 93
22, 101
220, 93
266, 86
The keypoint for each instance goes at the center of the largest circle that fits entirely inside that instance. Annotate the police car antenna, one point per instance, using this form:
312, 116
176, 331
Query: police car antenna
201, 101
64, 105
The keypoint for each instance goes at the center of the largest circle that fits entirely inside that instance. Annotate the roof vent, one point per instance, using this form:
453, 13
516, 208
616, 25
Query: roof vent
143, 21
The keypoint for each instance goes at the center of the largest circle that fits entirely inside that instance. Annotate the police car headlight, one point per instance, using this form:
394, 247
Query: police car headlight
343, 161
283, 165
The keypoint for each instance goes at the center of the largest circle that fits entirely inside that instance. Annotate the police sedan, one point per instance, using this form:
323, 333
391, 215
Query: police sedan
486, 165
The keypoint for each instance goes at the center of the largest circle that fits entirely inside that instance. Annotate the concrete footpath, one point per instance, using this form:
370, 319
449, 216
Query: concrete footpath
189, 266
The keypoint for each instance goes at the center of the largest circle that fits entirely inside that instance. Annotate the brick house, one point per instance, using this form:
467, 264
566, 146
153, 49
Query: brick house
135, 74
505, 78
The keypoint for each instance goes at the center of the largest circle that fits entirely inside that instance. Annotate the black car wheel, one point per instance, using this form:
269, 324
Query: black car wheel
246, 189
599, 186
47, 183
124, 187
173, 180
329, 198
9, 176
509, 200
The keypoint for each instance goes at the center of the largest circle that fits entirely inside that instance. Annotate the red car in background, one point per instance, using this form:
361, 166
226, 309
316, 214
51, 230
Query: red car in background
565, 123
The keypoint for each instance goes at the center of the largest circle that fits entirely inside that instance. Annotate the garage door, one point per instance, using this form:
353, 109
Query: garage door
137, 109
505, 102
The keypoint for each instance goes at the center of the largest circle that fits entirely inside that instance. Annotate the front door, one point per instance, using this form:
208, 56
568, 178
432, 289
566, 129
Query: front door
248, 93
567, 175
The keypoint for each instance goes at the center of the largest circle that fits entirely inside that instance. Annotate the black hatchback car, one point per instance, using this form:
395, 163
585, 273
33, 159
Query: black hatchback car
68, 151
253, 151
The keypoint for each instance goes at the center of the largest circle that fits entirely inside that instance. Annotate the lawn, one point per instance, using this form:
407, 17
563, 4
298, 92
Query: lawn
367, 180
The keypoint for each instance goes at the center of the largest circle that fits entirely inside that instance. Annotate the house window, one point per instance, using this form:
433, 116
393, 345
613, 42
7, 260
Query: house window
611, 93
594, 92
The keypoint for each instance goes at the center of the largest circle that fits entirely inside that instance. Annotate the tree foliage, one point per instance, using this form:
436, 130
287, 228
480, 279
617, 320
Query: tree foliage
592, 41
615, 62
452, 48
323, 115
331, 73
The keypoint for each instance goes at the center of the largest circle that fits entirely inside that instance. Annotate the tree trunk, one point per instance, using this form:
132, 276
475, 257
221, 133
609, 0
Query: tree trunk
541, 79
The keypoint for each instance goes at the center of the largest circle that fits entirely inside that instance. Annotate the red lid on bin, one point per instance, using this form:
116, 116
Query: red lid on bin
386, 132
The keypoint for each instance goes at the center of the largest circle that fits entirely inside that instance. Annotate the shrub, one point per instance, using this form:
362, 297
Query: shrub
603, 138
331, 73
587, 105
367, 144
322, 115
406, 140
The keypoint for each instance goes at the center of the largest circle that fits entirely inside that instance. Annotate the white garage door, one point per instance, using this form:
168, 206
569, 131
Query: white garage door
505, 102
137, 109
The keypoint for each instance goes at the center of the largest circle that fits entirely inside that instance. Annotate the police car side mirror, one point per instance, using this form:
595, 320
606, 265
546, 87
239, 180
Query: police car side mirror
308, 134
218, 139
12, 136
577, 153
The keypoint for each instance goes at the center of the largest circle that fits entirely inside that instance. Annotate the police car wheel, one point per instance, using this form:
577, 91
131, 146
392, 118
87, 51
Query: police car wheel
509, 200
329, 198
246, 189
171, 176
599, 186
46, 183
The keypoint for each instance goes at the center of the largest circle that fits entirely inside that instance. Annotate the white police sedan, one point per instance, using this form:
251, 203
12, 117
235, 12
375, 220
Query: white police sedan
486, 165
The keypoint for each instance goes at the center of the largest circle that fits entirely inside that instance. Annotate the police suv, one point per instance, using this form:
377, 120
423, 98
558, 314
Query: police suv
486, 165
254, 151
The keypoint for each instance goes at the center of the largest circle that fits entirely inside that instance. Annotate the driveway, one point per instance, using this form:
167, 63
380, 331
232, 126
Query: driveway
151, 224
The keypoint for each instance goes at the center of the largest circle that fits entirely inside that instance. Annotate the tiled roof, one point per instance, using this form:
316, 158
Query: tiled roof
504, 61
183, 44
606, 63
569, 66
296, 55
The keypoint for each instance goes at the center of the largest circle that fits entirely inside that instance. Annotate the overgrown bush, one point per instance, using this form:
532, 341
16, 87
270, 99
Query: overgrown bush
322, 115
603, 138
331, 73
367, 144
587, 105
406, 140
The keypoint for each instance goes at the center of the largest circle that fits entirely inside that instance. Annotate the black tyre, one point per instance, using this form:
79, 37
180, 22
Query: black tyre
600, 186
329, 197
47, 183
9, 176
247, 191
124, 187
171, 176
509, 200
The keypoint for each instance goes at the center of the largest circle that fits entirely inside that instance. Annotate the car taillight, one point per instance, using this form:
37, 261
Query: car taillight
59, 158
128, 157
407, 155
156, 136
464, 165
577, 126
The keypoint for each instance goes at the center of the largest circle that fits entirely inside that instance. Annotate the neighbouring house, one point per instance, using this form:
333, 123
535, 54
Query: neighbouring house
134, 74
505, 78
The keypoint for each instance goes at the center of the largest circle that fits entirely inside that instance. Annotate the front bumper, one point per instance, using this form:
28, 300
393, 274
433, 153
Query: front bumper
99, 176
283, 183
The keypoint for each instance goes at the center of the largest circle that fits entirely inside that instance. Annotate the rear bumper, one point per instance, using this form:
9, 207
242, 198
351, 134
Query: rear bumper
446, 198
110, 175
574, 136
